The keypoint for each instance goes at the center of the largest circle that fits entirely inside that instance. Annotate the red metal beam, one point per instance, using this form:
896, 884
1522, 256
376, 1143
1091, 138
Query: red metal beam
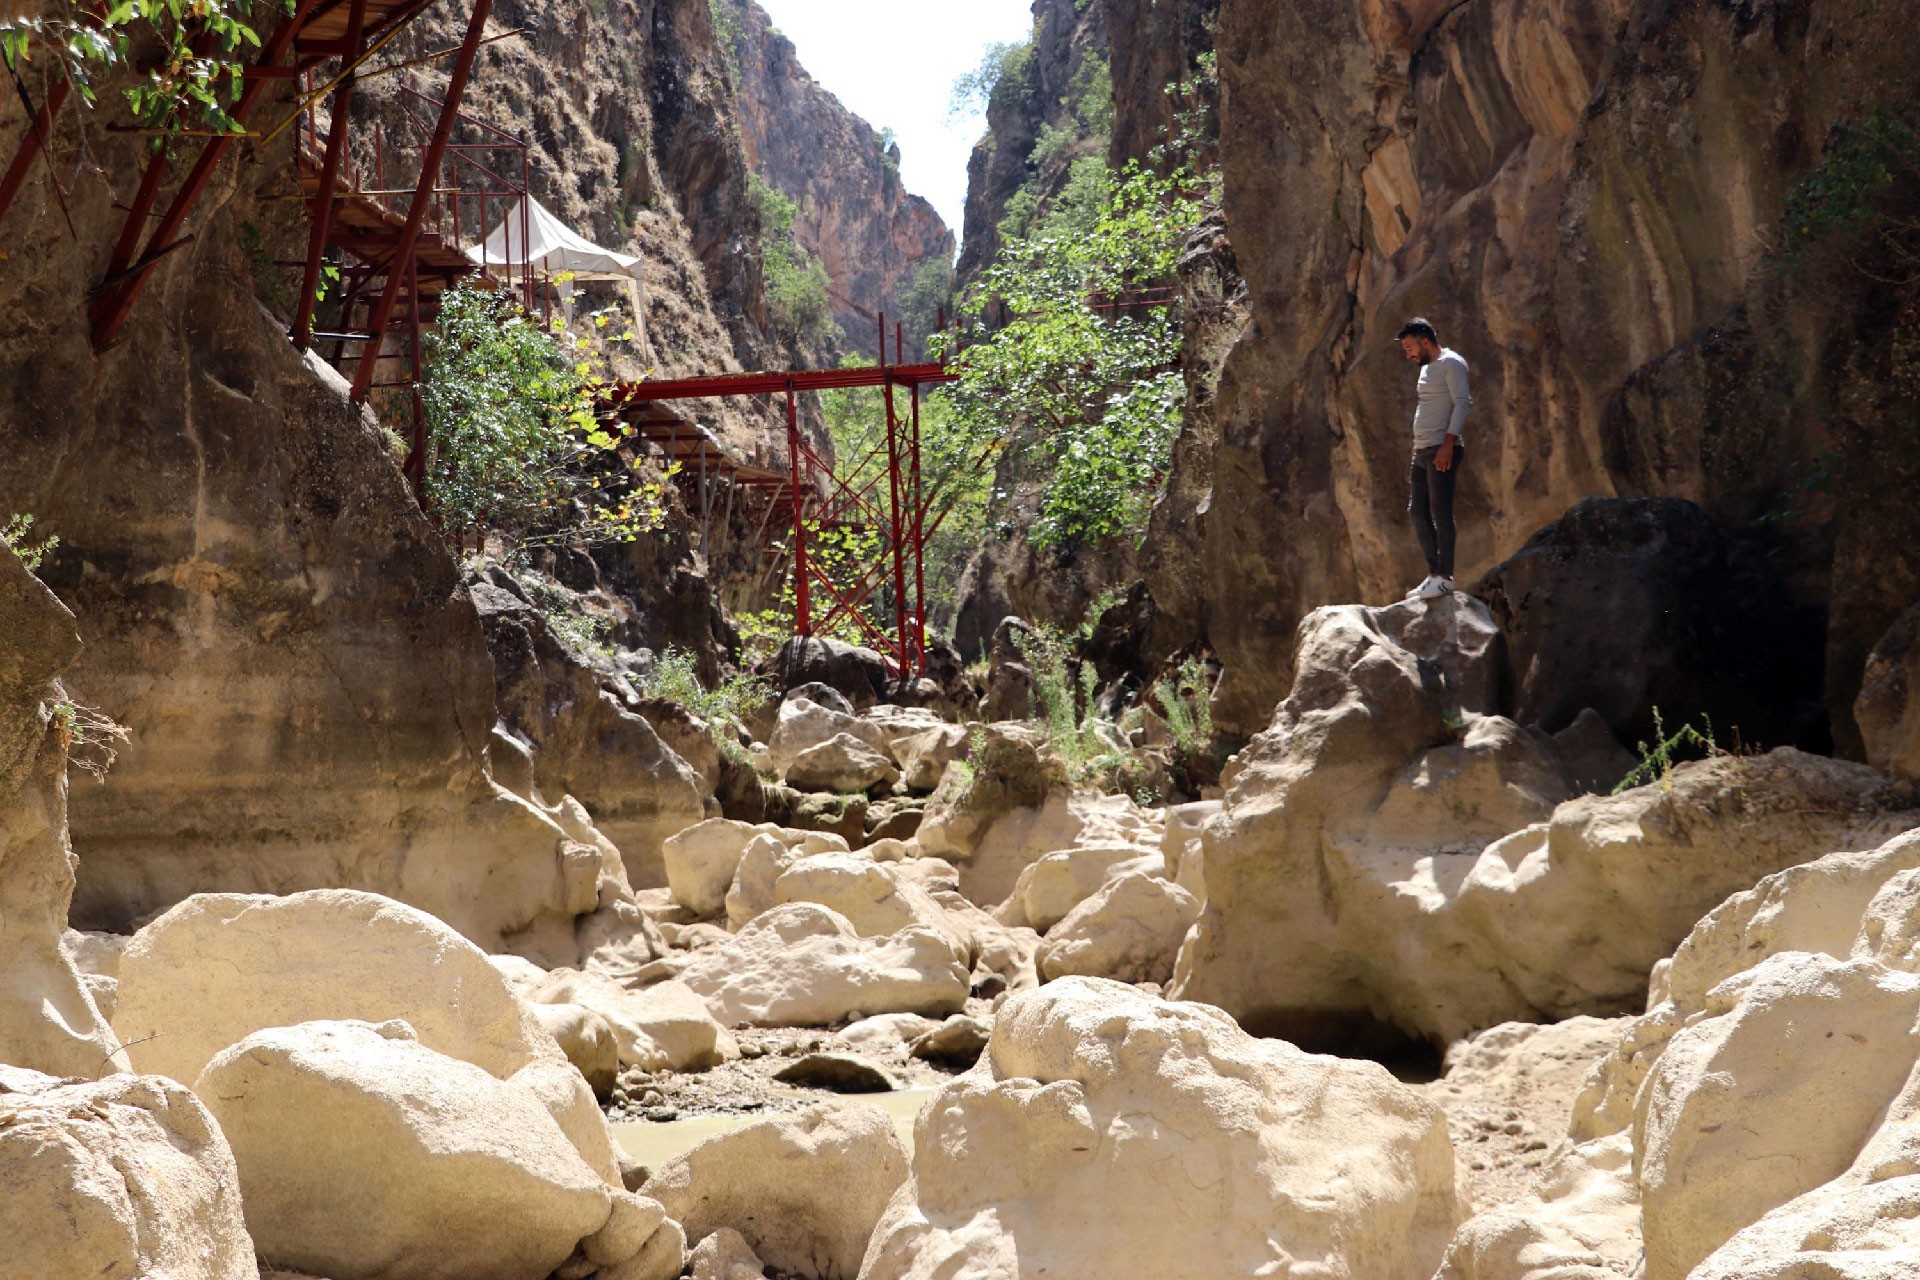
109, 310
746, 384
322, 216
422, 195
30, 146
802, 624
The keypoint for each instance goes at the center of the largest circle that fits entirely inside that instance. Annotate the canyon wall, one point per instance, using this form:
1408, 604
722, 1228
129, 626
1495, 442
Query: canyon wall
1585, 197
306, 681
871, 234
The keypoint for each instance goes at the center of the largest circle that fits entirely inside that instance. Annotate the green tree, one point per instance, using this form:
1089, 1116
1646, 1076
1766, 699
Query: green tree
179, 86
1001, 68
520, 442
1077, 374
796, 282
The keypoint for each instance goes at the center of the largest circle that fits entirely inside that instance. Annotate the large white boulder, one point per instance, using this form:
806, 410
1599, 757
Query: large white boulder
1183, 849
1050, 887
220, 966
804, 724
701, 861
764, 860
661, 1027
925, 755
363, 1154
842, 763
1760, 1119
128, 1177
802, 964
804, 1190
1129, 931
875, 897
1386, 852
1108, 1133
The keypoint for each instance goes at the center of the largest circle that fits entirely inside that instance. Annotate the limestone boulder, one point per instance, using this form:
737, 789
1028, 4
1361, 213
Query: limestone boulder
802, 964
1130, 930
662, 1027
363, 1153
1088, 1143
125, 1177
1182, 848
1052, 886
761, 865
701, 860
924, 755
1758, 1119
874, 897
588, 1041
1888, 708
841, 763
1359, 873
726, 1255
804, 725
219, 967
803, 1190
48, 1018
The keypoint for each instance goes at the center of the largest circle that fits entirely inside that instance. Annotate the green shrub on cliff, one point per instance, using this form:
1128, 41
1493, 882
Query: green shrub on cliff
1075, 363
518, 444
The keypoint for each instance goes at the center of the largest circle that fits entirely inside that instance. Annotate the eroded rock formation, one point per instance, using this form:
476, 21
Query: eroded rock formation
1583, 197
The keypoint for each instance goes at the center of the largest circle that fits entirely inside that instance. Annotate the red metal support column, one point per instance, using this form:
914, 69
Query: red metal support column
894, 523
37, 134
919, 549
422, 195
802, 623
415, 468
322, 215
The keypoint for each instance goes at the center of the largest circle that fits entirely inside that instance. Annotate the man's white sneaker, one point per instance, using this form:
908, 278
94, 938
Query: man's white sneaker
1434, 588
1421, 592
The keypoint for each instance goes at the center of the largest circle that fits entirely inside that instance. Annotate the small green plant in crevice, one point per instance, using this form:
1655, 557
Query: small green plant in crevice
1187, 706
1657, 760
675, 677
1067, 707
796, 281
17, 533
93, 739
579, 628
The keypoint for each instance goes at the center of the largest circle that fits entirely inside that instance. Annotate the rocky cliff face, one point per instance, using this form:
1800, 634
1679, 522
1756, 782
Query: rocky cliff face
307, 682
870, 233
1583, 196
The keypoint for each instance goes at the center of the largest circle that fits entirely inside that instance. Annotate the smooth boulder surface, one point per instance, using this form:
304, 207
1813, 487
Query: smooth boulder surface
1760, 1119
700, 862
925, 755
48, 1018
220, 966
1053, 886
842, 763
804, 1190
1109, 1133
442, 1171
875, 897
1129, 931
127, 1177
660, 1027
1361, 869
803, 726
802, 964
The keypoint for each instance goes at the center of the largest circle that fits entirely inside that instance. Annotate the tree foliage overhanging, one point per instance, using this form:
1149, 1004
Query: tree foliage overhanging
515, 415
1079, 372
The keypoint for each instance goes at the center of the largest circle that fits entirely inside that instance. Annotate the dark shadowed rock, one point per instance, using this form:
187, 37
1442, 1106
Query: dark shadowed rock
1888, 709
1630, 604
860, 675
837, 1073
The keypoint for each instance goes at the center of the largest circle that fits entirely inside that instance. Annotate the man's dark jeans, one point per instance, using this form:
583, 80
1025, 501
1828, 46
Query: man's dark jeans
1432, 507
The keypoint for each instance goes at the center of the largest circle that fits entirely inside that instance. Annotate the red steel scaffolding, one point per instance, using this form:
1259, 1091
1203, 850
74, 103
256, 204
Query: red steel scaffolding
816, 497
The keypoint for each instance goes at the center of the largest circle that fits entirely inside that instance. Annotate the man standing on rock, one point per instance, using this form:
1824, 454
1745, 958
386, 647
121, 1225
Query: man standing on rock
1439, 416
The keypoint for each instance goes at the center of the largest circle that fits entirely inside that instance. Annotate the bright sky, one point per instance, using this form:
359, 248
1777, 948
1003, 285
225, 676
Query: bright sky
894, 63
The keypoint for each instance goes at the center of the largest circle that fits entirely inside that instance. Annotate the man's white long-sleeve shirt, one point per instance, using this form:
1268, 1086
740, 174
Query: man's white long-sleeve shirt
1443, 401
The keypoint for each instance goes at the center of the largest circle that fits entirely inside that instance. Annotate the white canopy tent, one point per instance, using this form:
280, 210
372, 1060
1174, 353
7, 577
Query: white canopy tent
550, 248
